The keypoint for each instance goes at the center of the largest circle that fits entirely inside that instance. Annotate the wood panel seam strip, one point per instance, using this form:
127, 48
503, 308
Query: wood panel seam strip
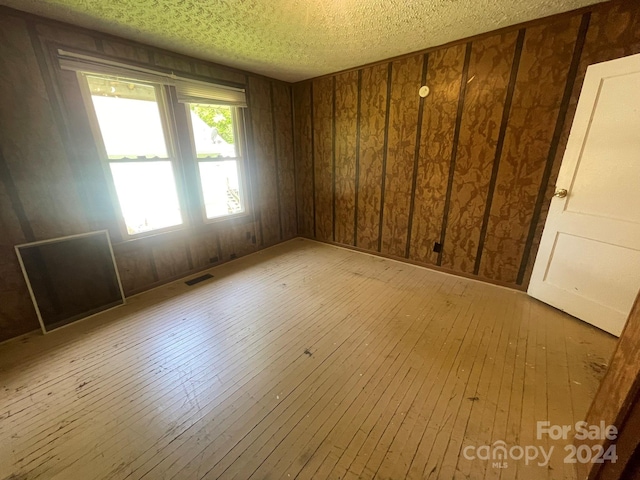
499, 147
313, 159
14, 198
219, 246
275, 156
251, 167
357, 173
152, 264
416, 155
333, 159
384, 152
454, 149
294, 153
555, 141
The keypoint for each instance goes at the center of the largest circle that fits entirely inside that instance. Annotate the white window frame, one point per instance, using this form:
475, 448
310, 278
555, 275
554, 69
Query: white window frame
237, 118
186, 91
170, 141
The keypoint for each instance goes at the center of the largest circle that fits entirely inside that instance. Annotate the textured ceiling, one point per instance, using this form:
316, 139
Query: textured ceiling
295, 39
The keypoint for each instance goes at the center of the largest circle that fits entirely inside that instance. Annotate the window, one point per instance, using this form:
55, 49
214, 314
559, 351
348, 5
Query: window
131, 125
135, 116
214, 130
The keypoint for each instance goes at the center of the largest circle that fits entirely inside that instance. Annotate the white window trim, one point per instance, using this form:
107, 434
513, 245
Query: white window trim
187, 91
105, 161
239, 137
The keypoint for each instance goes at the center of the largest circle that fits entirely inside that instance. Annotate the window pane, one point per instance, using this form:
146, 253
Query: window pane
220, 188
147, 195
213, 130
129, 118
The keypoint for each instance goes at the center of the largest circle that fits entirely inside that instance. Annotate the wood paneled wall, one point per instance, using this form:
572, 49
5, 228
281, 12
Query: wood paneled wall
51, 180
472, 166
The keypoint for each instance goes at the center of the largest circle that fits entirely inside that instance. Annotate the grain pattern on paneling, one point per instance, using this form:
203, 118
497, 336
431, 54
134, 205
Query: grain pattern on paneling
373, 106
613, 33
235, 241
12, 233
403, 125
135, 268
201, 68
489, 72
323, 156
303, 157
345, 156
204, 250
542, 75
284, 147
218, 72
264, 158
125, 51
14, 297
16, 226
66, 36
31, 141
171, 259
436, 143
17, 314
172, 62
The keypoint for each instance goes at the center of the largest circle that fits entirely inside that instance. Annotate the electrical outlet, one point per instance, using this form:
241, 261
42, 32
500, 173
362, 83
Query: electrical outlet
437, 247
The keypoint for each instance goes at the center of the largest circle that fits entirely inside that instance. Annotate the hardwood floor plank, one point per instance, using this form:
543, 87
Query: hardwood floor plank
415, 360
303, 361
340, 437
443, 369
353, 387
171, 434
448, 441
310, 385
473, 431
165, 383
516, 387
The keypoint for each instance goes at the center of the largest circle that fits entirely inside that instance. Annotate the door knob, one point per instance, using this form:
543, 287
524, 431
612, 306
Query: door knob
560, 193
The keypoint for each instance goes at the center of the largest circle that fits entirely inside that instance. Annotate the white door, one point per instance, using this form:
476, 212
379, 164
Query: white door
588, 264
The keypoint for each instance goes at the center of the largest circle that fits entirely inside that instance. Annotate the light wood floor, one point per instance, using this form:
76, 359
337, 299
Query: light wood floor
301, 361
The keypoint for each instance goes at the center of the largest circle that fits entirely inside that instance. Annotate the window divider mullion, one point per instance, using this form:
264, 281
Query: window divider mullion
182, 156
183, 142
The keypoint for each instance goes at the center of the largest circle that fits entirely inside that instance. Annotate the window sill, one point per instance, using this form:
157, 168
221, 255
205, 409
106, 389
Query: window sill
184, 232
225, 218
